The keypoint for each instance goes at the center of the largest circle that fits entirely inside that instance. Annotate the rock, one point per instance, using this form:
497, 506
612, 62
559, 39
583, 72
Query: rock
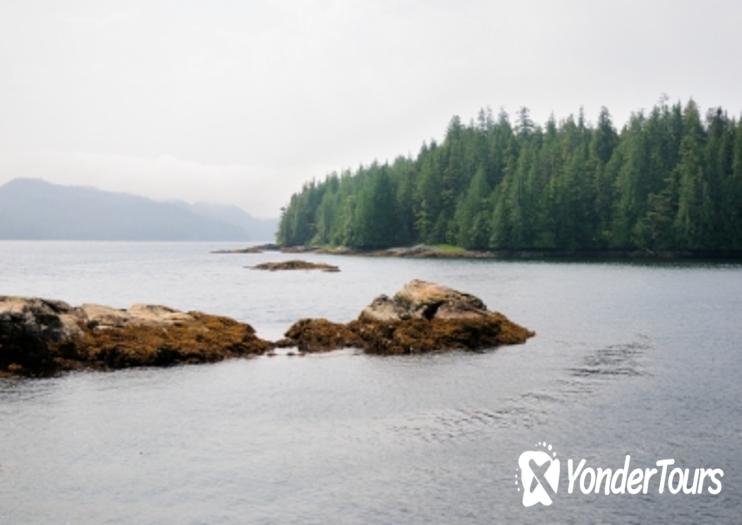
33, 332
295, 265
385, 309
260, 248
321, 335
298, 249
421, 317
422, 335
236, 251
424, 300
41, 337
418, 251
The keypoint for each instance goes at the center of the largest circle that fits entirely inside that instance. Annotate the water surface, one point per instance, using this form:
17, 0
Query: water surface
628, 358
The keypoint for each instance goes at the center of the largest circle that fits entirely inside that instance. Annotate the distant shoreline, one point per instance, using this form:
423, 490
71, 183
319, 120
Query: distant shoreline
454, 252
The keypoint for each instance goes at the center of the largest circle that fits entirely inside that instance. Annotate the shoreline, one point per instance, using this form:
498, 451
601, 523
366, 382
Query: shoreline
453, 252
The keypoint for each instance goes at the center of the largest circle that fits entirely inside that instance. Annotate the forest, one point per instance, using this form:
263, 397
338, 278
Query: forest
669, 180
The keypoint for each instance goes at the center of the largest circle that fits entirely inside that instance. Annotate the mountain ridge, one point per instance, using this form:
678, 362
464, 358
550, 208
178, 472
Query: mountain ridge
36, 209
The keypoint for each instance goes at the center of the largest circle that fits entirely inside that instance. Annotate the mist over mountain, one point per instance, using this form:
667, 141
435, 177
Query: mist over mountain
34, 209
257, 229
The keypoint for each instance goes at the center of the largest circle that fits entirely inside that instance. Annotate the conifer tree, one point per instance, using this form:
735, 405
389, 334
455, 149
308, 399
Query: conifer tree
666, 181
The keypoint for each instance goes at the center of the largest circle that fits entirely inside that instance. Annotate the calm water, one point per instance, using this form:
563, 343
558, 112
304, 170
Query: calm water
636, 359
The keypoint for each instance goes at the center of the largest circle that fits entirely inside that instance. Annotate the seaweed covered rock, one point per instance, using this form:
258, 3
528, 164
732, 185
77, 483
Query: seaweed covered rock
295, 265
320, 335
41, 337
421, 317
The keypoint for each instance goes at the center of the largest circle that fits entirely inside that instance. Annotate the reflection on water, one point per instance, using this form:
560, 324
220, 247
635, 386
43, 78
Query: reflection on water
627, 359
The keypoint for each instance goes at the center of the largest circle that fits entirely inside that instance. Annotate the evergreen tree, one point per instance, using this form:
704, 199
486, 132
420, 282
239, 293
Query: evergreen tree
666, 181
471, 215
692, 193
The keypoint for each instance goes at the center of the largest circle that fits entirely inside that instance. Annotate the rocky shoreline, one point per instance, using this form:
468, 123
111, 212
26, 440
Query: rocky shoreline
41, 337
250, 249
451, 252
419, 251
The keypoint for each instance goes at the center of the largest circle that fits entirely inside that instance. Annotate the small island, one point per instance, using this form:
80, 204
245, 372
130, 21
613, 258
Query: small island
295, 265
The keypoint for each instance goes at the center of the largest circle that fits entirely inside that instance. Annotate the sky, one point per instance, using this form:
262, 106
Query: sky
240, 102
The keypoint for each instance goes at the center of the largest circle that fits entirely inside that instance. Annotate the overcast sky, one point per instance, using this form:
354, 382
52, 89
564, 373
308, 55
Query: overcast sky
240, 102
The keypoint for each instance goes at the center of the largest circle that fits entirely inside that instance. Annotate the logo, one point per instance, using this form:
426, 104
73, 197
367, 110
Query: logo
539, 475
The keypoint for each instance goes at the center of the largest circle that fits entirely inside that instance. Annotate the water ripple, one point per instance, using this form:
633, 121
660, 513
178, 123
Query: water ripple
615, 360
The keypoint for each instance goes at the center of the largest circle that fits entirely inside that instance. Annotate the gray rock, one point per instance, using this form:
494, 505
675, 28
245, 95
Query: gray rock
424, 300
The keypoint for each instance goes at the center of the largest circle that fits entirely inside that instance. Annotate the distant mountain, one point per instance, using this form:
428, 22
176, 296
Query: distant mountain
257, 229
35, 209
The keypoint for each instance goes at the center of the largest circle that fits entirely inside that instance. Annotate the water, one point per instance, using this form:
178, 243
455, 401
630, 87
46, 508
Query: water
628, 359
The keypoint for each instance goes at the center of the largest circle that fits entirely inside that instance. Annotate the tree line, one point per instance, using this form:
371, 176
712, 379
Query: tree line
670, 179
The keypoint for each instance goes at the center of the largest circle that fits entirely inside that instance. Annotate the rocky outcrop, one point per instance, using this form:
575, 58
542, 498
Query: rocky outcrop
424, 251
424, 300
260, 248
419, 251
41, 337
295, 265
320, 335
421, 317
